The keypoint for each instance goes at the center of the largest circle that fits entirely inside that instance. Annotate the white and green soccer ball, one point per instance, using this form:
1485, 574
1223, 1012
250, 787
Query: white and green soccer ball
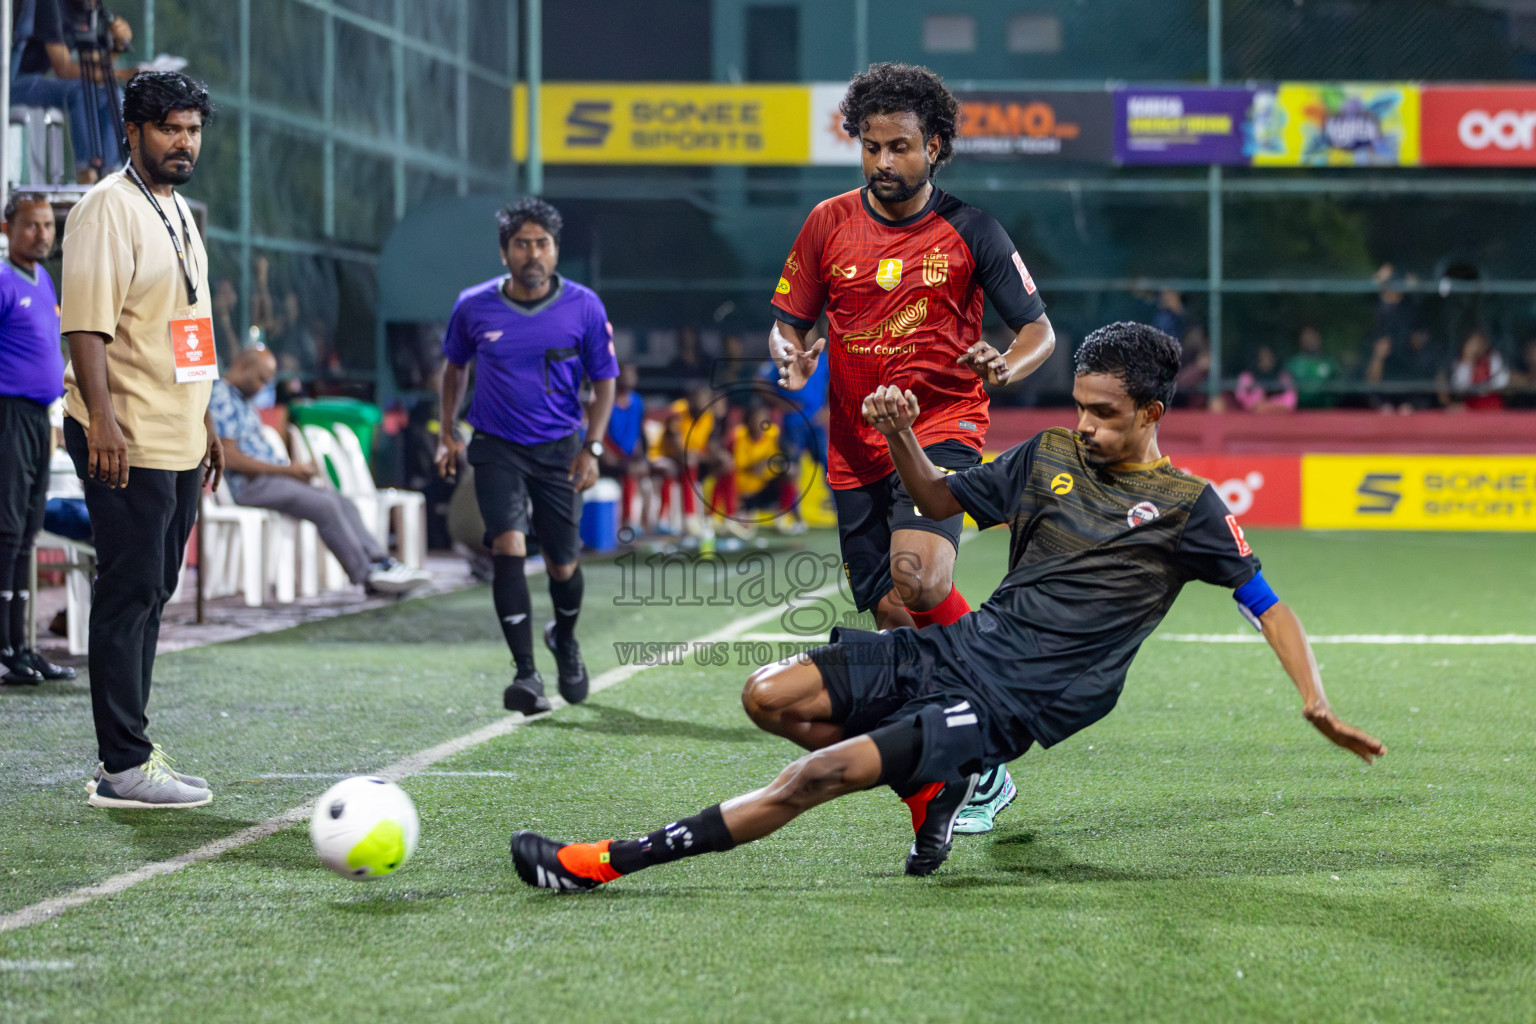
364, 827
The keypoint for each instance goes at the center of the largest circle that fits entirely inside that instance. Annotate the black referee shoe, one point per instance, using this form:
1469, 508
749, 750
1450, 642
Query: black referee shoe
934, 809
573, 671
526, 694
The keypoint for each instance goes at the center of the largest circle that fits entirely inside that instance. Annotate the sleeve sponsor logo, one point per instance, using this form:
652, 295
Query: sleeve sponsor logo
1237, 535
792, 265
783, 286
1029, 282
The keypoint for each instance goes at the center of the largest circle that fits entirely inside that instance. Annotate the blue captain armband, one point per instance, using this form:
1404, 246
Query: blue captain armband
1254, 598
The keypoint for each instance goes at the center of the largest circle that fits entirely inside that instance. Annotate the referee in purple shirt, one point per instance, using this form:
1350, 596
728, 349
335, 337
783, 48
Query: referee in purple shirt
31, 378
534, 334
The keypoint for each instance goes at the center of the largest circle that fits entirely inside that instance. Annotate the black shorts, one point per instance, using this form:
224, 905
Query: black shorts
509, 477
868, 515
877, 679
26, 445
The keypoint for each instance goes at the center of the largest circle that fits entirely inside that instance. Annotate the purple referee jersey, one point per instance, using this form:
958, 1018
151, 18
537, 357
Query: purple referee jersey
31, 362
531, 360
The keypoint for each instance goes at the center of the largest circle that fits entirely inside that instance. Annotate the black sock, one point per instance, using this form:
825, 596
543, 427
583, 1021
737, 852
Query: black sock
21, 602
5, 618
705, 832
566, 597
510, 590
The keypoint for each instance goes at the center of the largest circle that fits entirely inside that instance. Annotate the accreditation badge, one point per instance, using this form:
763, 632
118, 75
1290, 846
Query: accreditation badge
192, 348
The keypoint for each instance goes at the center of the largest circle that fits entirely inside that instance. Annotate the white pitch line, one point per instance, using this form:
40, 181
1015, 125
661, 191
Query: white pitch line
1380, 639
412, 764
420, 775
37, 965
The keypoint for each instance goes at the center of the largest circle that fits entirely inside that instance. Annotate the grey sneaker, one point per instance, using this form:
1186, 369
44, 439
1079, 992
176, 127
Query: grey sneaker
157, 754
395, 578
150, 786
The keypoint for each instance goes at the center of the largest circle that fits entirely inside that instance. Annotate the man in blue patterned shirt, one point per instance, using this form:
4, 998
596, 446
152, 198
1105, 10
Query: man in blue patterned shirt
263, 478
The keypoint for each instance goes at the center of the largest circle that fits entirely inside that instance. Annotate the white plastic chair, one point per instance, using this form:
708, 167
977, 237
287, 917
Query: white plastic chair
324, 571
232, 548
79, 577
412, 505
292, 544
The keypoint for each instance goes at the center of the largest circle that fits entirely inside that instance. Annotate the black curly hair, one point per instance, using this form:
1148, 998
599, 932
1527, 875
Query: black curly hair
900, 88
1144, 358
511, 218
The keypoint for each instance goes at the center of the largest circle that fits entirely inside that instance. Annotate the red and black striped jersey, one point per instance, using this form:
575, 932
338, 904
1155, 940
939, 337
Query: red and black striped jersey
904, 300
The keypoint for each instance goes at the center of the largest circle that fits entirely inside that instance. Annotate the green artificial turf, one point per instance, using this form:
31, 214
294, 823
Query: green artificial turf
1201, 854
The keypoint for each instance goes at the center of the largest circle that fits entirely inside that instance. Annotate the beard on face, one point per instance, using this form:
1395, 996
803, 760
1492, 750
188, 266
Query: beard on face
882, 187
164, 173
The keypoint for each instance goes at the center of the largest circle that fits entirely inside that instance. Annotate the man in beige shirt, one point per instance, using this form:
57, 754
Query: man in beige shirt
137, 314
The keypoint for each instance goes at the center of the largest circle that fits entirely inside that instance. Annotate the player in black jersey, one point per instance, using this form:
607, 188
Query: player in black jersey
1105, 533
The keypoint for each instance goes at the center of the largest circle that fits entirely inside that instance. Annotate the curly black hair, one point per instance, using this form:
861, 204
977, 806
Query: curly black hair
511, 218
900, 88
1144, 358
150, 96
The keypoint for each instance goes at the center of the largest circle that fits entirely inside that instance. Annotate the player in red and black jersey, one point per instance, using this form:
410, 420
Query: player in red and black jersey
900, 268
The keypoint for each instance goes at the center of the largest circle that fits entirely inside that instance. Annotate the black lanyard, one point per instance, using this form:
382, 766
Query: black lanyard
181, 254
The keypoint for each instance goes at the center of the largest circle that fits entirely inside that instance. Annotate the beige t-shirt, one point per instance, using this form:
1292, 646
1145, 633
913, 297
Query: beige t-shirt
121, 278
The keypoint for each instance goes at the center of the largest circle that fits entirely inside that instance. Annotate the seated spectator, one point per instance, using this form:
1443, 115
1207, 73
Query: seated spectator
260, 477
1313, 371
1194, 369
765, 479
688, 364
1479, 377
690, 452
624, 454
1264, 387
42, 45
1400, 367
1522, 393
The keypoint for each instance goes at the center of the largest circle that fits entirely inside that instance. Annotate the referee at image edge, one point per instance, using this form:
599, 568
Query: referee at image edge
532, 334
31, 378
138, 318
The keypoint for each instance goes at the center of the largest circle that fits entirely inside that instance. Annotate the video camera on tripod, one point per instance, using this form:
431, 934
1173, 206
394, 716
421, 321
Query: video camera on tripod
88, 31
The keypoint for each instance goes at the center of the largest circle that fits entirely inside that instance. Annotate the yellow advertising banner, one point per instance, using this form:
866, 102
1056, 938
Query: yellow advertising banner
1418, 492
666, 123
1319, 124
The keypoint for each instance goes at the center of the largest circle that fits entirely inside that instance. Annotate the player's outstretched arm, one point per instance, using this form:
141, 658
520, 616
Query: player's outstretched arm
1031, 347
792, 357
892, 413
1285, 634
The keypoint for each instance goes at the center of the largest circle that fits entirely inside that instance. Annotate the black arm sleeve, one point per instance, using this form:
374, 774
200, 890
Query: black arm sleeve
999, 269
1212, 548
994, 492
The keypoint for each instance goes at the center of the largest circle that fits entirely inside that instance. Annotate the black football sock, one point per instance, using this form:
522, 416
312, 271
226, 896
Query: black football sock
705, 832
7, 598
566, 597
21, 602
509, 588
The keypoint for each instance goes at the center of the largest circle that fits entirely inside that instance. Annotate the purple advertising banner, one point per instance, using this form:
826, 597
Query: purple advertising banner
1181, 126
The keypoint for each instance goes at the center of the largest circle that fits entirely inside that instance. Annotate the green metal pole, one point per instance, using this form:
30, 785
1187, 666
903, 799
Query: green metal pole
1214, 214
535, 77
860, 36
328, 114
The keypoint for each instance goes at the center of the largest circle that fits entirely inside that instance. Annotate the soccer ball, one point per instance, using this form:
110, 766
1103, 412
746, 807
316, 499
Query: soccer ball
364, 827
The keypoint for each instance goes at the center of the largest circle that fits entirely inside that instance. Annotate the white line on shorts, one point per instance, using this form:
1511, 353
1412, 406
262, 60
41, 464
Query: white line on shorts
1382, 639
413, 764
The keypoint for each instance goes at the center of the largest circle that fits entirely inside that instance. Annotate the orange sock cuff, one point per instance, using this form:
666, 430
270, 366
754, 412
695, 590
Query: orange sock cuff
946, 611
589, 860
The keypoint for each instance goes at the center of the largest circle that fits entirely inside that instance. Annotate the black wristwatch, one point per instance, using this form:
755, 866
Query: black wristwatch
595, 449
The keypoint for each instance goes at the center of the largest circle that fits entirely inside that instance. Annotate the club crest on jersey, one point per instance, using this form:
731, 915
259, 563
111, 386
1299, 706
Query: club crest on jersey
1141, 512
935, 268
888, 274
846, 273
792, 265
1062, 483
